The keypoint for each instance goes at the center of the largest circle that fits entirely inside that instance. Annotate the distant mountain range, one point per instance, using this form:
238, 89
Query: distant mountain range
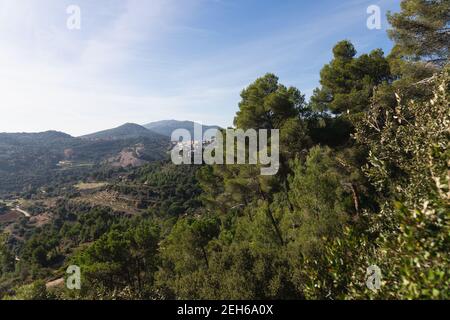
166, 127
33, 159
150, 130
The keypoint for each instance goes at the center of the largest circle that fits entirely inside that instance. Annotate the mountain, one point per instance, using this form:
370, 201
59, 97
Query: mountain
166, 127
30, 160
126, 131
33, 138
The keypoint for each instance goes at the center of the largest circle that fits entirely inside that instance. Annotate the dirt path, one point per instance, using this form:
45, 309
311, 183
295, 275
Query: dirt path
55, 283
26, 214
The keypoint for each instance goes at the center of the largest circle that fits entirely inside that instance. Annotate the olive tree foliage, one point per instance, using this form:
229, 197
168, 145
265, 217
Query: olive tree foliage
409, 236
409, 165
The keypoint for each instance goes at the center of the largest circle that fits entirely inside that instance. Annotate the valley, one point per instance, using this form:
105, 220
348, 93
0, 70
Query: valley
38, 170
54, 186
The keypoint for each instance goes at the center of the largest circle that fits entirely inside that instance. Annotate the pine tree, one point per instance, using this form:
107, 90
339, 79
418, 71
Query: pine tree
421, 30
348, 81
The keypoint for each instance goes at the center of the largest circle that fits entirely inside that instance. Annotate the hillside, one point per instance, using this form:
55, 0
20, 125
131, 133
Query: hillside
31, 138
29, 160
126, 131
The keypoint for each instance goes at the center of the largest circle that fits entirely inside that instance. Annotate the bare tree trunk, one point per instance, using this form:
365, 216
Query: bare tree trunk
272, 219
205, 256
355, 197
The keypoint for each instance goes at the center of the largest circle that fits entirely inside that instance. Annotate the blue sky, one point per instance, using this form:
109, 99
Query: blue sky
141, 61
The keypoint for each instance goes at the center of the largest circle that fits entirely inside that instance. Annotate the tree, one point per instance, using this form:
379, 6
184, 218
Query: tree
7, 262
246, 270
421, 30
408, 165
202, 232
267, 104
121, 263
3, 208
348, 81
320, 200
185, 256
40, 256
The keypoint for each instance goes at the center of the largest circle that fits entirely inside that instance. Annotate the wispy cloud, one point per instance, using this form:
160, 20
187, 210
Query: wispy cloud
71, 80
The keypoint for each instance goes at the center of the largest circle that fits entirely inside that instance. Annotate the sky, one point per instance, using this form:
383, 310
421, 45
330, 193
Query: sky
147, 60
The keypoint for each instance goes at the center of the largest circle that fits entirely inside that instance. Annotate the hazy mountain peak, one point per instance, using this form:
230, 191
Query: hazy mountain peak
127, 130
166, 127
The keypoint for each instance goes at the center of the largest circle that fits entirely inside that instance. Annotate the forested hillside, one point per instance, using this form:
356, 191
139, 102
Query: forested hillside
364, 180
29, 161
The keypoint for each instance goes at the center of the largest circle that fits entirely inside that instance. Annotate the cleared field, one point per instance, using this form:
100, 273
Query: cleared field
67, 165
90, 186
112, 200
9, 203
